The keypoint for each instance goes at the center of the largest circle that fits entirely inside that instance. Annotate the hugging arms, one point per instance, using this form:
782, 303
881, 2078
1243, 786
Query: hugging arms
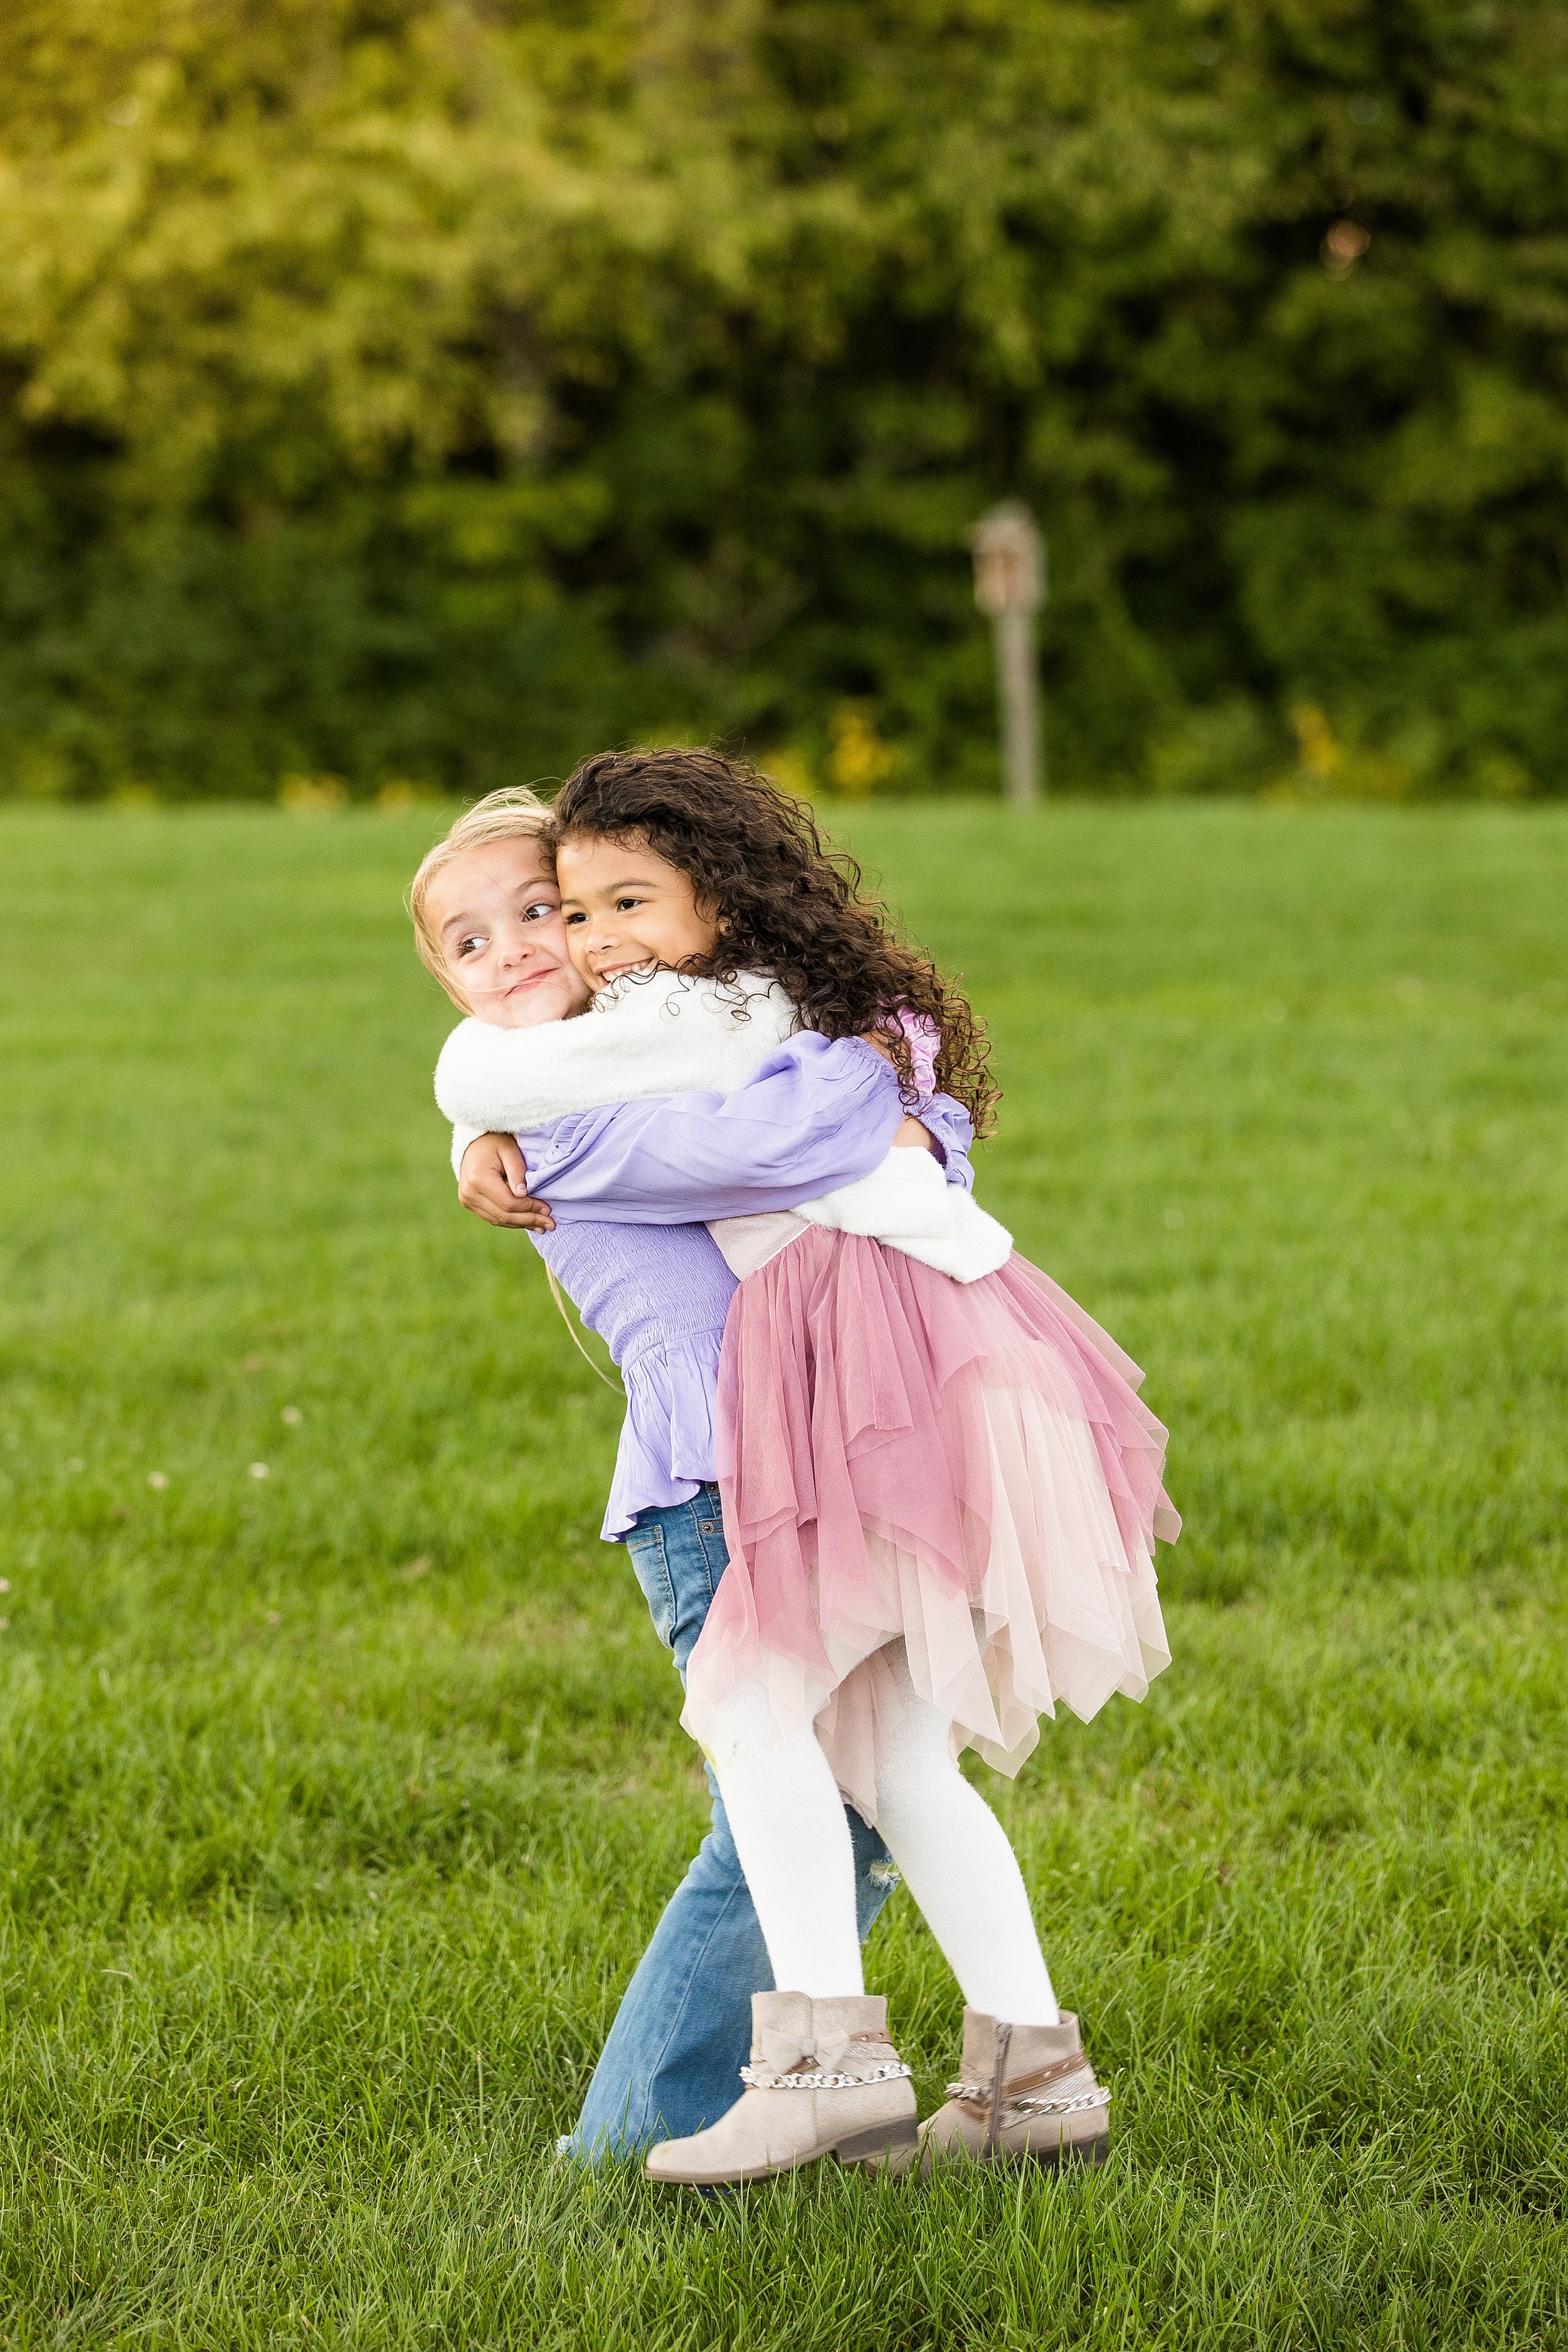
708, 1148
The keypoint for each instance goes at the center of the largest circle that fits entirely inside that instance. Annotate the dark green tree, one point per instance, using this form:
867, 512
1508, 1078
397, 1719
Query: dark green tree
438, 389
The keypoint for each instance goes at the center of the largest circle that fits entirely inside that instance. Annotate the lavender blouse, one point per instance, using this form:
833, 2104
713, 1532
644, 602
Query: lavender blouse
631, 1188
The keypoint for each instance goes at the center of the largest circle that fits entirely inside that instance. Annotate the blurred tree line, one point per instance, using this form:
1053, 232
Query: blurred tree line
439, 389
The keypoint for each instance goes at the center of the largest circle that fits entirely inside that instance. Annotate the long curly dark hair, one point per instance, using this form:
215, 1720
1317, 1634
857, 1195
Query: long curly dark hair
792, 907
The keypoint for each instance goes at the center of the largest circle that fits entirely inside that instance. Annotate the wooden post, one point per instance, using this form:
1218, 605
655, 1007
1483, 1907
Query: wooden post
1010, 586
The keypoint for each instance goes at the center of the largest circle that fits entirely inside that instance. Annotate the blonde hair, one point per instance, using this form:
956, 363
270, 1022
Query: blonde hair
514, 815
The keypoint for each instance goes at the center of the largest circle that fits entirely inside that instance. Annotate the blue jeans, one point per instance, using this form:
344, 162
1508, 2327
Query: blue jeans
684, 2029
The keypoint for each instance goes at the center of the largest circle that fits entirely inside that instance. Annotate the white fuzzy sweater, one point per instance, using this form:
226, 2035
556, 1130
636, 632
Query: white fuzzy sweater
664, 1034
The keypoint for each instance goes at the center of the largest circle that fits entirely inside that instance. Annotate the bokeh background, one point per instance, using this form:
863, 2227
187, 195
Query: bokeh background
418, 393
402, 399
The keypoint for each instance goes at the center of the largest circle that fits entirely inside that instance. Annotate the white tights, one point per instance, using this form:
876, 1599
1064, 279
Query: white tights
787, 1819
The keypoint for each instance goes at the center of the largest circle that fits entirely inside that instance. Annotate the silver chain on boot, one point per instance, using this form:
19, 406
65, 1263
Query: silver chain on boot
762, 2079
795, 2078
981, 2092
999, 2102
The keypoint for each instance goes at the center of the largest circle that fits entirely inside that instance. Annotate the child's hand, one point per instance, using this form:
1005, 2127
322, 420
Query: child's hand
493, 1183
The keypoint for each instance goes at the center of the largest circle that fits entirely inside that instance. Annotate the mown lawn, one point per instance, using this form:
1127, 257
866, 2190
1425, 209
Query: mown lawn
337, 1802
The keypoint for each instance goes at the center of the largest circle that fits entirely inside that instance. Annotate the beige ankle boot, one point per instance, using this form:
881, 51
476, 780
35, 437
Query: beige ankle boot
824, 2080
1027, 2092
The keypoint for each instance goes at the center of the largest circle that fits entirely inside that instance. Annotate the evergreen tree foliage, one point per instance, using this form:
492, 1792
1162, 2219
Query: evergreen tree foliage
442, 388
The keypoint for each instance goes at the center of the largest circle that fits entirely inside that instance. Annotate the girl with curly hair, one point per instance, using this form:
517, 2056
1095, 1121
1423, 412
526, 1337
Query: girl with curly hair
939, 1492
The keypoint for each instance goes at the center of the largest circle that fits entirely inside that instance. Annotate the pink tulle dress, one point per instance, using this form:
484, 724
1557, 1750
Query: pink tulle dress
966, 1468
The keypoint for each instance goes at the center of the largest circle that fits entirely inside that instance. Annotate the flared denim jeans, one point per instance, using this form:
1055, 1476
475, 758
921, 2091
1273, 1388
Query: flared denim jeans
683, 2031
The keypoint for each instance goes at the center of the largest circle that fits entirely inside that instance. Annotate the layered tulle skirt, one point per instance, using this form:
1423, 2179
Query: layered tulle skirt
962, 1466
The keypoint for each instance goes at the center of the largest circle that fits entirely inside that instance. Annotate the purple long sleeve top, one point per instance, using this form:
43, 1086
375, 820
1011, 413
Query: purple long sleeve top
631, 1187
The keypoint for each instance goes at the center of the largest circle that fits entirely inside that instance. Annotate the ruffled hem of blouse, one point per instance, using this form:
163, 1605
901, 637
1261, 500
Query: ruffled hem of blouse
667, 1448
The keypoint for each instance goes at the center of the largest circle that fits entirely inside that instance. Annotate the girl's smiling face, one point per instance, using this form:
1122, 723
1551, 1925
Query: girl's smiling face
627, 910
495, 913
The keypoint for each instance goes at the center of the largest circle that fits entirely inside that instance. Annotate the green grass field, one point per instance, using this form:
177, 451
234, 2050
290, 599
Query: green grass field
337, 1801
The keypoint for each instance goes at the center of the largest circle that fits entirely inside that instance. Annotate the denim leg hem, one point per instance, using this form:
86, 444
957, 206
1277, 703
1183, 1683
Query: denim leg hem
623, 2139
